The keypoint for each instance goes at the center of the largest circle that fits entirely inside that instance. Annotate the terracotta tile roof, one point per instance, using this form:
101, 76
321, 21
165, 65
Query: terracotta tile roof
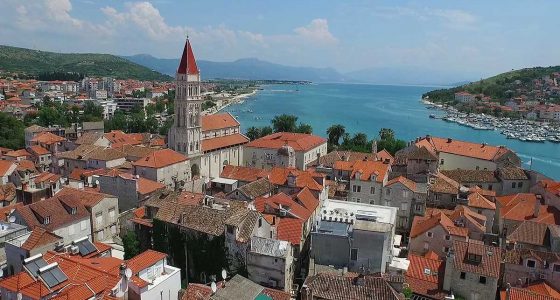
512, 173
38, 150
276, 294
425, 276
486, 193
88, 198
490, 258
197, 291
298, 141
24, 165
6, 210
468, 149
444, 184
57, 209
436, 218
46, 176
422, 153
241, 173
47, 138
367, 168
144, 260
521, 207
534, 291
6, 166
516, 256
468, 176
543, 288
477, 200
385, 155
245, 221
464, 213
7, 193
257, 188
77, 173
39, 237
118, 138
188, 62
411, 185
334, 287
218, 121
332, 157
306, 198
89, 138
532, 233
18, 153
144, 186
161, 158
223, 142
106, 155
279, 176
136, 150
81, 152
289, 204
550, 186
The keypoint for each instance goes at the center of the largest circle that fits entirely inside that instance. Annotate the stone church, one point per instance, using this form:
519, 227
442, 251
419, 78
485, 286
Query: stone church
211, 141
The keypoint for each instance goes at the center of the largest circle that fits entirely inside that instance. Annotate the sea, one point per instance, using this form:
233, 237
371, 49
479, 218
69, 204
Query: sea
368, 108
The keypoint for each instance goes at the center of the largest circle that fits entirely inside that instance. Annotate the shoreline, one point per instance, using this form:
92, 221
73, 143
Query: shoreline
234, 100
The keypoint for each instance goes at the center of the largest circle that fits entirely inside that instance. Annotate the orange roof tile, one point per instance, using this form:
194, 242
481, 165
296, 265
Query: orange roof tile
18, 153
435, 218
241, 173
477, 200
218, 121
39, 237
468, 149
47, 138
118, 139
411, 185
423, 275
521, 207
223, 142
298, 141
289, 229
279, 176
144, 186
5, 166
367, 169
144, 260
38, 150
385, 155
160, 158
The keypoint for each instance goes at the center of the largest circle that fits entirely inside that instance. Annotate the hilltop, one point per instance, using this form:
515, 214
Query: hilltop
528, 82
33, 62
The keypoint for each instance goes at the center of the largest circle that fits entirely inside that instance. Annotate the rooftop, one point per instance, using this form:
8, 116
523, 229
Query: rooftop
298, 141
463, 148
161, 158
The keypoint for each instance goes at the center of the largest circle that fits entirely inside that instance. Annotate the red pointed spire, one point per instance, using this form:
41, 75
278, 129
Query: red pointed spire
188, 62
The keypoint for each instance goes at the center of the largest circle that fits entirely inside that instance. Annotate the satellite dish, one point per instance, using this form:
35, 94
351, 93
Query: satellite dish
224, 274
128, 273
12, 219
19, 296
213, 287
97, 182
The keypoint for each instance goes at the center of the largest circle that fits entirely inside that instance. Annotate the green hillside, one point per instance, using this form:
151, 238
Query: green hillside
33, 62
498, 87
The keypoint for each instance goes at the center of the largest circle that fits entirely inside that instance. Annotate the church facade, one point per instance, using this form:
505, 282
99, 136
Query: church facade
211, 141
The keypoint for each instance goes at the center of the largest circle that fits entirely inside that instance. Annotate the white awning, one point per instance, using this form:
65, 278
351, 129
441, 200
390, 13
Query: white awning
224, 180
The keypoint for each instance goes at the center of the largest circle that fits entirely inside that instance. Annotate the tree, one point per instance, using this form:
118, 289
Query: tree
304, 128
49, 116
386, 134
266, 130
208, 104
11, 132
131, 245
253, 133
47, 101
360, 139
335, 132
284, 123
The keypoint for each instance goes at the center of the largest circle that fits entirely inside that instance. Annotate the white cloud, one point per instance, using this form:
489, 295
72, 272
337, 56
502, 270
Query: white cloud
452, 18
318, 31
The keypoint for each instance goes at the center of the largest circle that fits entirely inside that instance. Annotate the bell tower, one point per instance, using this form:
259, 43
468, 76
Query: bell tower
186, 132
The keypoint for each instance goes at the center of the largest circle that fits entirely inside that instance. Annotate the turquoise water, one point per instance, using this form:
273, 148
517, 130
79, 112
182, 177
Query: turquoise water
367, 108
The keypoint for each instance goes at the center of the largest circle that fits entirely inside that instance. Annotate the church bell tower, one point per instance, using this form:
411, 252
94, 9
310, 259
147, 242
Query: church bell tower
186, 132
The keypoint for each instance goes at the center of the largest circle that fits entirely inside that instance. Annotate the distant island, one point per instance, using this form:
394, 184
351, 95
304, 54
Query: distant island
29, 63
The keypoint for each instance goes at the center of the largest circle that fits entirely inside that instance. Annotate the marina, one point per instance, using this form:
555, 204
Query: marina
519, 129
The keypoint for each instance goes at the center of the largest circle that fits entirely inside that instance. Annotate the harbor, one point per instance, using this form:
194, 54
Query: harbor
520, 129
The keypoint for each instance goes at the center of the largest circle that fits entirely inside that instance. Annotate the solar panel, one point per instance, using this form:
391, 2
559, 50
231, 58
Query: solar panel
53, 276
86, 247
34, 265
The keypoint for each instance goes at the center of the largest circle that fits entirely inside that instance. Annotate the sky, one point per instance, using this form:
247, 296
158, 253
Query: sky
467, 37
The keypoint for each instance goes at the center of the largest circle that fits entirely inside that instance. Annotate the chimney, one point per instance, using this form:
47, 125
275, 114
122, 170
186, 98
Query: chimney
537, 209
374, 147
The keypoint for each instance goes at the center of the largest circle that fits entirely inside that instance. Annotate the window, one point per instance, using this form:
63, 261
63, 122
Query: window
463, 275
353, 254
99, 219
513, 185
405, 194
356, 188
230, 229
358, 200
519, 184
445, 249
531, 263
482, 279
490, 187
260, 223
372, 190
447, 237
556, 268
426, 246
404, 206
112, 214
429, 234
441, 161
388, 192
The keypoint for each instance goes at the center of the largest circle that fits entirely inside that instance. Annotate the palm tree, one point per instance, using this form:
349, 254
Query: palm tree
305, 128
335, 132
360, 139
386, 134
